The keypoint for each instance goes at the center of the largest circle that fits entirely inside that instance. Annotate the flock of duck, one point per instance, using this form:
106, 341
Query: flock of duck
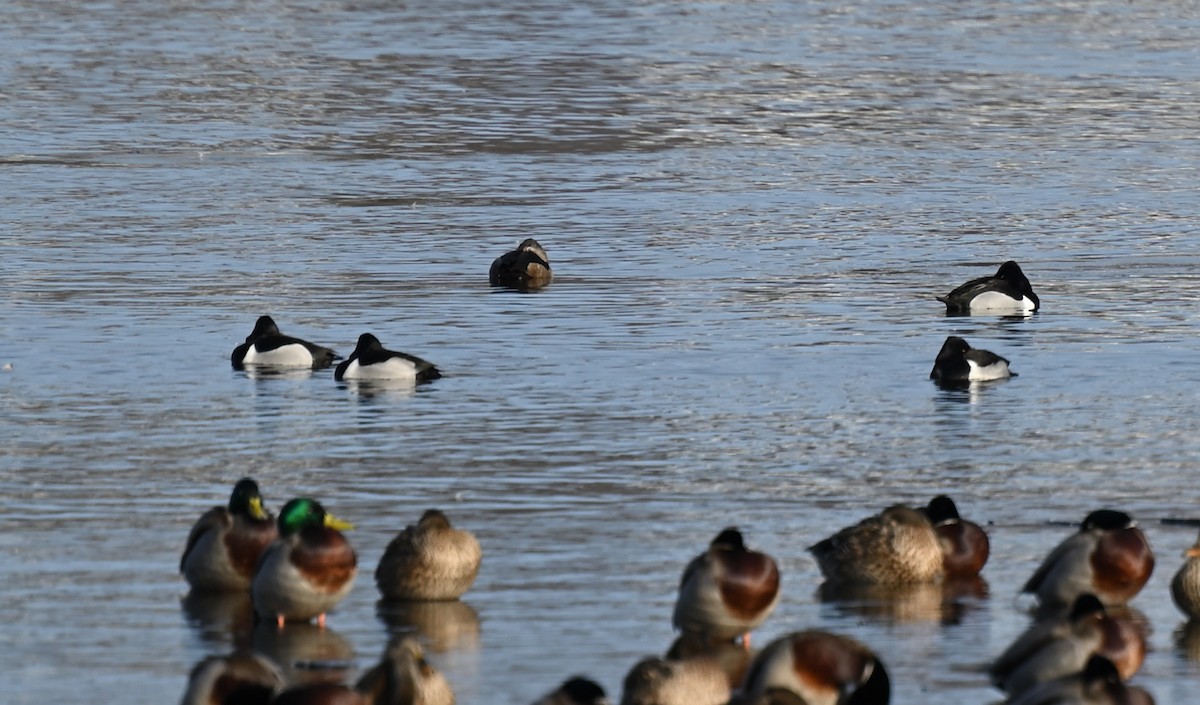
1081, 648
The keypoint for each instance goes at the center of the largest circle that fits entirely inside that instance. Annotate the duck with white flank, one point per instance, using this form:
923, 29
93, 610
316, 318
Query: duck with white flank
526, 267
267, 347
370, 360
1008, 291
957, 362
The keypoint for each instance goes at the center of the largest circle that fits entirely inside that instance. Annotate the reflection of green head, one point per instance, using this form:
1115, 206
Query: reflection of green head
303, 512
246, 501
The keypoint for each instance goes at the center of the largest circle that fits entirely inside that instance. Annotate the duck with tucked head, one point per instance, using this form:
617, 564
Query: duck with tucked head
957, 363
656, 681
816, 668
1108, 557
727, 591
526, 267
267, 347
1057, 647
1185, 586
429, 561
371, 361
308, 569
241, 678
225, 544
965, 546
1008, 292
895, 547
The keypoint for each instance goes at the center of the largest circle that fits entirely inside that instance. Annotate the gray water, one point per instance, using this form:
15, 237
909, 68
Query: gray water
749, 207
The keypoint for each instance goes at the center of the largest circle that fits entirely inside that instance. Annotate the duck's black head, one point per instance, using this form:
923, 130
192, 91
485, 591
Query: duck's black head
941, 510
1085, 605
1107, 520
730, 539
583, 691
263, 327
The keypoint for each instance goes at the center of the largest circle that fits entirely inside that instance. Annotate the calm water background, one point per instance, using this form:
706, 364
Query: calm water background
749, 207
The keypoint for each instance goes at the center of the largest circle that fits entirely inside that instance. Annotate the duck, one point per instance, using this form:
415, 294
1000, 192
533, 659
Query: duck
965, 546
814, 667
1108, 556
958, 362
307, 570
896, 547
576, 690
1055, 647
225, 543
241, 678
657, 681
429, 561
526, 267
402, 677
727, 591
1185, 586
1099, 683
371, 361
266, 346
1008, 291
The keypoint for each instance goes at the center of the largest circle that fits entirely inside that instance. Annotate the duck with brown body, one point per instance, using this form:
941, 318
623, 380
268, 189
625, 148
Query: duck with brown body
895, 547
430, 560
727, 591
525, 268
226, 543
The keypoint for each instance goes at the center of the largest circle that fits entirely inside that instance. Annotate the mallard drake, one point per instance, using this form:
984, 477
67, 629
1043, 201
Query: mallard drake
526, 267
1185, 586
576, 690
1057, 647
1008, 291
957, 362
1108, 557
267, 347
241, 678
816, 668
895, 547
402, 677
370, 360
308, 569
656, 681
225, 544
1098, 683
429, 561
965, 546
727, 591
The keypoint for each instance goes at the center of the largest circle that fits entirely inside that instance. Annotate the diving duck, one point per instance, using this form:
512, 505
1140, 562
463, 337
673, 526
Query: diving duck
1008, 291
576, 690
1052, 648
816, 668
308, 569
1108, 557
1185, 586
225, 544
370, 360
656, 681
895, 547
1098, 683
727, 591
965, 546
526, 267
267, 347
242, 678
958, 362
429, 561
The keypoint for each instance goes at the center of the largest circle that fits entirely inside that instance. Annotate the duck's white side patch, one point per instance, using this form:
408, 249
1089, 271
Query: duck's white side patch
981, 373
995, 301
392, 368
294, 355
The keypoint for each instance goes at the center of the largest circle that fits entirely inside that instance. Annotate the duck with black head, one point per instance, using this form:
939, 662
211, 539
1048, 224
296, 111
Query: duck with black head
371, 361
815, 668
1008, 291
727, 591
525, 268
267, 347
958, 363
1108, 556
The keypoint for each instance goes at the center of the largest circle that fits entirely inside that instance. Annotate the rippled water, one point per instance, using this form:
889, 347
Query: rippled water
749, 207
